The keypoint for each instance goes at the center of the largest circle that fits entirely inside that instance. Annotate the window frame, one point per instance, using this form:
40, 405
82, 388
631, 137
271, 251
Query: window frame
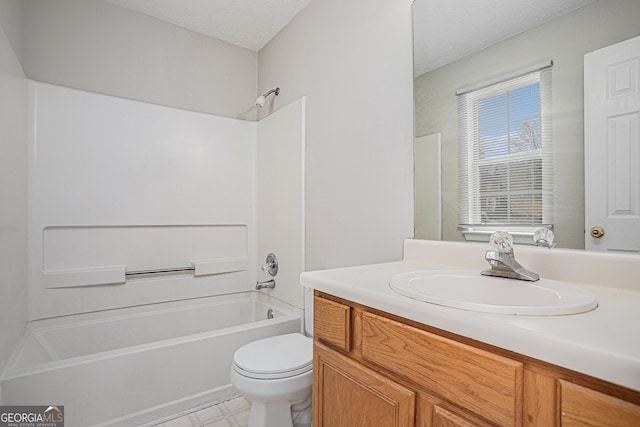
470, 221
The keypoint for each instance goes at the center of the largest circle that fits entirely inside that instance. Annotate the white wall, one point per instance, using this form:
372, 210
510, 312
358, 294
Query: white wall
13, 182
11, 14
564, 40
117, 185
353, 62
280, 198
96, 46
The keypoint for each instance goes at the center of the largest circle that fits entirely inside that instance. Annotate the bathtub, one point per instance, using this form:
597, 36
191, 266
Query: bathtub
136, 365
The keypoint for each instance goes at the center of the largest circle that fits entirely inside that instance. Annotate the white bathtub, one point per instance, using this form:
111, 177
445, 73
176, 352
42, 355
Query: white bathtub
132, 366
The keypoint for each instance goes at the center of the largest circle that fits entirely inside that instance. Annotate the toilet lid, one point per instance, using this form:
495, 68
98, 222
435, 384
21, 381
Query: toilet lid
275, 357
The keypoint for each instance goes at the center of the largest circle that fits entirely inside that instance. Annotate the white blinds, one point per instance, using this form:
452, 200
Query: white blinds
506, 173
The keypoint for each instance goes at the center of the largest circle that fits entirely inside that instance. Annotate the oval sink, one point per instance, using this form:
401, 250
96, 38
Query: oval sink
470, 290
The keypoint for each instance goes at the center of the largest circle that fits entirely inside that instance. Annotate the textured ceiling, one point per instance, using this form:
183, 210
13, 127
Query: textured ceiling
246, 23
446, 30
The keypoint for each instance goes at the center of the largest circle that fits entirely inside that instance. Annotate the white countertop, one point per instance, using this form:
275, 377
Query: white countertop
603, 343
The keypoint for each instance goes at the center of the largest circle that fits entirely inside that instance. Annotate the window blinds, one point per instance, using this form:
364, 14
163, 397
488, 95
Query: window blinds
506, 173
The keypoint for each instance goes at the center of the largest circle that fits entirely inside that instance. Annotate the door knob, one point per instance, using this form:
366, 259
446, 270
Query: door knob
597, 232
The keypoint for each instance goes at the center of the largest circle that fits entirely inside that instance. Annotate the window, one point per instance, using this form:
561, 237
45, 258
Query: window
505, 175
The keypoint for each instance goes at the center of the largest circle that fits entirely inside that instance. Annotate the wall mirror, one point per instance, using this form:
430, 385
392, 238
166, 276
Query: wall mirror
462, 44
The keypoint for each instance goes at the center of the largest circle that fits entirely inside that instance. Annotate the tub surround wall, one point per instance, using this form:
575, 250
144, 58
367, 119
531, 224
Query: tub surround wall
280, 198
353, 62
96, 46
119, 185
13, 180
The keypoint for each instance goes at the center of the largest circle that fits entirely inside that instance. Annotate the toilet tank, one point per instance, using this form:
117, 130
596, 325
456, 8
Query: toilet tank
308, 311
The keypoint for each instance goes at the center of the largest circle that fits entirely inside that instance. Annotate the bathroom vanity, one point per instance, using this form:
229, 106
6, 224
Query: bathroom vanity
387, 360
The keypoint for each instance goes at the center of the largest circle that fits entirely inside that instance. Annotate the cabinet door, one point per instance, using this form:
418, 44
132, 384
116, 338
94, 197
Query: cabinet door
445, 418
580, 407
434, 412
347, 394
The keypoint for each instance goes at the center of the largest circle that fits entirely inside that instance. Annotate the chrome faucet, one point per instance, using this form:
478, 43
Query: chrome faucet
503, 262
267, 284
270, 266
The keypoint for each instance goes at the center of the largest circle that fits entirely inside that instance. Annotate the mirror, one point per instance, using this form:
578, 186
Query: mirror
464, 43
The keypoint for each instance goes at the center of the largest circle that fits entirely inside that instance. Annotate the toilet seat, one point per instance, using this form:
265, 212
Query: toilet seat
281, 356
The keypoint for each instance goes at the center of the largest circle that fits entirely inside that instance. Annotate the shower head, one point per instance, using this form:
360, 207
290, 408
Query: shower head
262, 98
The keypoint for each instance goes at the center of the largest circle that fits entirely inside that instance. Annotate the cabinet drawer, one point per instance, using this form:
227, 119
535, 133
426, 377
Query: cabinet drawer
332, 323
487, 384
580, 406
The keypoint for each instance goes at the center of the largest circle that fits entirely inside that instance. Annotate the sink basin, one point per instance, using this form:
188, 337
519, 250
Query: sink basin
469, 290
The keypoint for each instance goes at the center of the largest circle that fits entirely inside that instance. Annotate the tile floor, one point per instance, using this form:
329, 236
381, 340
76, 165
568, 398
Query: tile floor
232, 413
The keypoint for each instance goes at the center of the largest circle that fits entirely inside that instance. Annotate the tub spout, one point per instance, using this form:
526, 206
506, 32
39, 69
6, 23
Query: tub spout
267, 284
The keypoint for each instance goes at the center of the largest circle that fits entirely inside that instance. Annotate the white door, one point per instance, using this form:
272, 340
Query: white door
612, 147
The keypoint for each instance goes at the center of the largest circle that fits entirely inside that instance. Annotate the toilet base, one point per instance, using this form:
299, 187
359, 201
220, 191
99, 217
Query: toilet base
281, 413
271, 414
301, 413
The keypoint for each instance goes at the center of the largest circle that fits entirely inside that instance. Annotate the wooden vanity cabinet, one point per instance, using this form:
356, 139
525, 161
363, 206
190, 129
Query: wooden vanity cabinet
375, 369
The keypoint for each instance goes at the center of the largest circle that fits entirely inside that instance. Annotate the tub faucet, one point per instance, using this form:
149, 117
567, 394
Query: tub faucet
267, 284
503, 262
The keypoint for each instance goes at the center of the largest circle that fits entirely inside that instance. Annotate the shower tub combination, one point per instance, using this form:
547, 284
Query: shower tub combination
135, 365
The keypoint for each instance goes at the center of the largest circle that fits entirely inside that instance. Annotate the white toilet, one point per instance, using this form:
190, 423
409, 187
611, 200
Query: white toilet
275, 373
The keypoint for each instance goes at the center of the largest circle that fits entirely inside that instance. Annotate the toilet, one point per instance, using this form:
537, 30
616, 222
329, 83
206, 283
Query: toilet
275, 374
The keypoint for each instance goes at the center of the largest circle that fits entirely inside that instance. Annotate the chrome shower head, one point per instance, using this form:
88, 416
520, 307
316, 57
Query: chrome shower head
263, 98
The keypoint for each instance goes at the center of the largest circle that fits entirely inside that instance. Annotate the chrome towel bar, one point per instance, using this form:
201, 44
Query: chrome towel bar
162, 270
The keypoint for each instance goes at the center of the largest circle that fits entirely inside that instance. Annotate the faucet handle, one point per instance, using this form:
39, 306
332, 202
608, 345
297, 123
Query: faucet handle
544, 237
502, 242
271, 265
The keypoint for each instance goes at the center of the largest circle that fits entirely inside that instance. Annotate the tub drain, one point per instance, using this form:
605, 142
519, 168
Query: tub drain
269, 314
